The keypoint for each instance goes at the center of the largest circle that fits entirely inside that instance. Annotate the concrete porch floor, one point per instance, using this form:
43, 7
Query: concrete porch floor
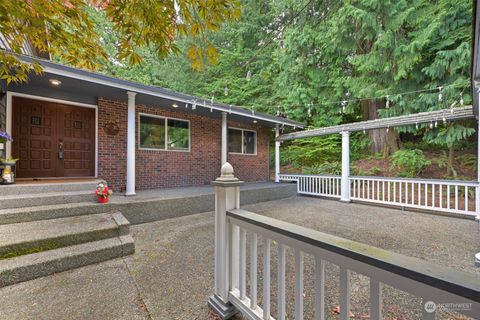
170, 276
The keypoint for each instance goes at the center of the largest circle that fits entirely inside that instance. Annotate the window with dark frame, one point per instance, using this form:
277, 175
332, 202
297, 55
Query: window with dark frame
164, 133
242, 141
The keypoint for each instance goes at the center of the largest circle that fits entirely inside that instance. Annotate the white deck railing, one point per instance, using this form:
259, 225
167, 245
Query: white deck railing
451, 196
233, 226
414, 276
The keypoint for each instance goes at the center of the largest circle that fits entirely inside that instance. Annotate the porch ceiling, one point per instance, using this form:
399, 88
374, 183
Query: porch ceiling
86, 87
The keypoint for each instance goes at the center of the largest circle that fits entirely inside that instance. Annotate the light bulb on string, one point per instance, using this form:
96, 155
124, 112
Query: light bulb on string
452, 105
364, 131
387, 103
211, 100
416, 125
461, 99
436, 123
388, 128
249, 75
253, 111
278, 110
344, 105
444, 120
309, 111
440, 96
225, 91
431, 124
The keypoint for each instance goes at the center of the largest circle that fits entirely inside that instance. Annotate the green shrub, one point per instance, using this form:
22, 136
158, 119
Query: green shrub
409, 163
327, 168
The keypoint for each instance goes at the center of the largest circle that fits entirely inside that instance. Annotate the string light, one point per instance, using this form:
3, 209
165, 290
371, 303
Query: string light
278, 110
431, 124
211, 100
416, 125
436, 123
440, 96
225, 91
461, 99
388, 128
249, 75
253, 111
444, 120
364, 131
309, 111
387, 103
344, 105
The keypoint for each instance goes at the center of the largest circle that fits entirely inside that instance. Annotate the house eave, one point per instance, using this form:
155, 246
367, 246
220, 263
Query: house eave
103, 80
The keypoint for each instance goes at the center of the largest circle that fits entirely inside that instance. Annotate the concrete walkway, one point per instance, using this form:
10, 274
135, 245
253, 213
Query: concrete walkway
171, 274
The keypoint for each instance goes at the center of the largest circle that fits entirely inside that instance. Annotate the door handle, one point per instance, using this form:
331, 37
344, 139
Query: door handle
61, 153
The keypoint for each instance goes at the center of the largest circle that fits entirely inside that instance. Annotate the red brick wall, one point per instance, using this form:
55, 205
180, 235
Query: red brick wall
159, 168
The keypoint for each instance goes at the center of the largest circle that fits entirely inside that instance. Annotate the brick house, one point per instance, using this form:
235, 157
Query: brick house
74, 123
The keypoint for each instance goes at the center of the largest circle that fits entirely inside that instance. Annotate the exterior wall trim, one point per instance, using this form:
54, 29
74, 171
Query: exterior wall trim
11, 94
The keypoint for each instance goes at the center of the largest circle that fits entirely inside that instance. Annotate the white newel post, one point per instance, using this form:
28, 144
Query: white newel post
224, 138
131, 145
345, 196
227, 197
277, 154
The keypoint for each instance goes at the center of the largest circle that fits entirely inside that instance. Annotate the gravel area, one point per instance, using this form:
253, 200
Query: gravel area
171, 274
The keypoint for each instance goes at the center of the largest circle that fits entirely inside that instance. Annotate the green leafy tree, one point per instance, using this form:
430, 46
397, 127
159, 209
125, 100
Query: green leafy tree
65, 29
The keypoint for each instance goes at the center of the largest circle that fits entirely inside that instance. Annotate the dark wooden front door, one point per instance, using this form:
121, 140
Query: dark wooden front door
52, 139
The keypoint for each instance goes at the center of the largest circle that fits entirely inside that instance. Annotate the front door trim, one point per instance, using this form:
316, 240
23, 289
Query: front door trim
11, 94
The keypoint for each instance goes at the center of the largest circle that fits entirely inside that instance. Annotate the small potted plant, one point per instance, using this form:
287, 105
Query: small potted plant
103, 192
4, 138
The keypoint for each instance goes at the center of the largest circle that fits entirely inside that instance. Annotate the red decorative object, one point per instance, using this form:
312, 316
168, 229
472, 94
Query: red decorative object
103, 192
102, 199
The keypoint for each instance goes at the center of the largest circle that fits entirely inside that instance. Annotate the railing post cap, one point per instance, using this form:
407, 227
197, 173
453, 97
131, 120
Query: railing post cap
227, 177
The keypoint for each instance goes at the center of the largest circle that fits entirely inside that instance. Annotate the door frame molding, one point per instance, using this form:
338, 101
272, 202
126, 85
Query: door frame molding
11, 94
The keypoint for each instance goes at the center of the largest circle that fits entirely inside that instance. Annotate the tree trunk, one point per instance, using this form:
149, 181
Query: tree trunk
451, 158
382, 141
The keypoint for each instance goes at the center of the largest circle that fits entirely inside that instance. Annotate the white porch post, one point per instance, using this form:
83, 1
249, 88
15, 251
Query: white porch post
227, 197
345, 196
131, 145
277, 154
224, 138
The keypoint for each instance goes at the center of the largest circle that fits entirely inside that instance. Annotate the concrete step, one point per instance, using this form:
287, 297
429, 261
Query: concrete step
41, 264
35, 188
23, 238
42, 199
54, 211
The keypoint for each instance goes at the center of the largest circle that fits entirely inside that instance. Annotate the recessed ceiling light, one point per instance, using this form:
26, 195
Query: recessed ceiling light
55, 82
175, 105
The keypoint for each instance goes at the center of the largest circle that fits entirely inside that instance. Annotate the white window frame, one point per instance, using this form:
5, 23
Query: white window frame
165, 119
243, 144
